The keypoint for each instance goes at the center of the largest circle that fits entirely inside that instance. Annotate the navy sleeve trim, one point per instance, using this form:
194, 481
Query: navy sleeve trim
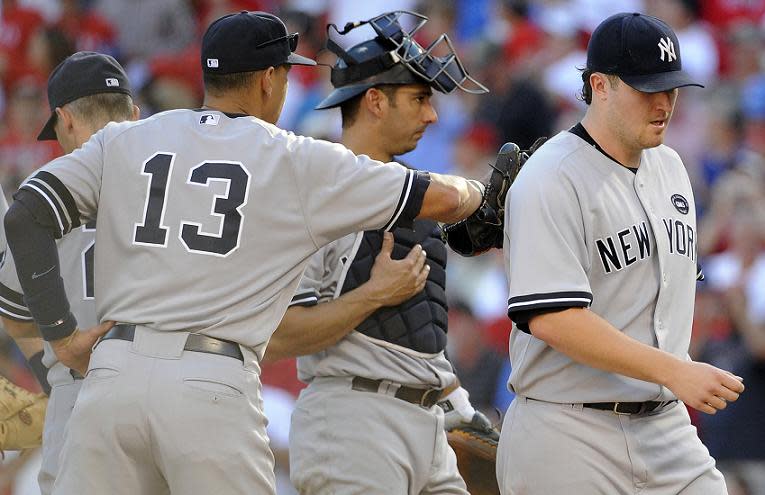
410, 201
12, 305
699, 273
305, 299
548, 300
58, 197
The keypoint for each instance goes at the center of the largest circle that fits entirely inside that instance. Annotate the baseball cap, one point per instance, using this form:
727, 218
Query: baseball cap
642, 50
249, 41
79, 75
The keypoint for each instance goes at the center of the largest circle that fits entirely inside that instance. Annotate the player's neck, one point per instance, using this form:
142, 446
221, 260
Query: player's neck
356, 139
233, 106
610, 142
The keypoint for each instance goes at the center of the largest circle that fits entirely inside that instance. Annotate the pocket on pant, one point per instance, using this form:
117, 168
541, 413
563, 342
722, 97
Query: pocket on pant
212, 387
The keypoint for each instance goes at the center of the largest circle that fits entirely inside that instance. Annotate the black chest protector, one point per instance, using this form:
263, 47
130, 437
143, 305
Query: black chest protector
419, 323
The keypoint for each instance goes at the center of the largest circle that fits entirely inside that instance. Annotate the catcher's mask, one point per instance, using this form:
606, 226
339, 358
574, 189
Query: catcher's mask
394, 57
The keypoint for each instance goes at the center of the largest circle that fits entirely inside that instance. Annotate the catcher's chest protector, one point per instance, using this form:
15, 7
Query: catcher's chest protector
421, 322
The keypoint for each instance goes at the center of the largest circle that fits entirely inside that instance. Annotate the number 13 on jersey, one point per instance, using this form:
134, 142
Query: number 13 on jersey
153, 231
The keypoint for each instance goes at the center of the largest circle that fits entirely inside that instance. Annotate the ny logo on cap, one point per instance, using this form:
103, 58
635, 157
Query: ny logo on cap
112, 82
212, 62
666, 46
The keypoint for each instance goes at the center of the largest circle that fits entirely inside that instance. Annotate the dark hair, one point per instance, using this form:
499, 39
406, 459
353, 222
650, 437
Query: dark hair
218, 84
102, 108
349, 109
586, 94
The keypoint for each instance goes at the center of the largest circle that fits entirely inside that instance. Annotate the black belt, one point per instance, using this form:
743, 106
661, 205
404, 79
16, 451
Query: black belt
425, 397
194, 342
629, 407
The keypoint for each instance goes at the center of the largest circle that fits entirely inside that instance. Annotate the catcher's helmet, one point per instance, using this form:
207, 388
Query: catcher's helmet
394, 57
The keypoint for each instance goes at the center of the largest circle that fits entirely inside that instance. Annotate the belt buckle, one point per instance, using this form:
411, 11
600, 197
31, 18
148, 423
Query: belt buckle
426, 395
616, 410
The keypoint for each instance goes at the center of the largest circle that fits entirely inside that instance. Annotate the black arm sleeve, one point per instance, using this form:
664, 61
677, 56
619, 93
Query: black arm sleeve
30, 236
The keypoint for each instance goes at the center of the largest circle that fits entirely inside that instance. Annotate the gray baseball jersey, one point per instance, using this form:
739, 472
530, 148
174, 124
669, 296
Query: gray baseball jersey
76, 256
208, 220
358, 354
584, 231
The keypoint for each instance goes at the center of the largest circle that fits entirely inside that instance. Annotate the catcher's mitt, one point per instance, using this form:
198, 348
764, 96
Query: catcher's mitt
476, 451
22, 415
483, 229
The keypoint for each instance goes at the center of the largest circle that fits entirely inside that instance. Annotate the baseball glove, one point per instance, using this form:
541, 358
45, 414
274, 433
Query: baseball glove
476, 451
484, 229
22, 415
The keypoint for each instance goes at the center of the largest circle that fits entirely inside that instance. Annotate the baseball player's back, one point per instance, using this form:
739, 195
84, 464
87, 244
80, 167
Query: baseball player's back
190, 213
601, 230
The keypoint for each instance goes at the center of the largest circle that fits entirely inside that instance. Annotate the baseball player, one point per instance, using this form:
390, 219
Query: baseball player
207, 219
86, 91
368, 421
602, 267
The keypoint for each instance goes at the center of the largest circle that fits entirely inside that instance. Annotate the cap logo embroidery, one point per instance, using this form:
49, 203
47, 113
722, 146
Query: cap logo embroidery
212, 62
667, 47
112, 82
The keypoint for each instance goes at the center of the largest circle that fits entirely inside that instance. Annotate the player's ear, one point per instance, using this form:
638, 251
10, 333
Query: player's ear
599, 83
267, 81
65, 119
375, 101
136, 113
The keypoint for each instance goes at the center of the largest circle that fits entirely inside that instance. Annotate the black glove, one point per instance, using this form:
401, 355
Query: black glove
483, 229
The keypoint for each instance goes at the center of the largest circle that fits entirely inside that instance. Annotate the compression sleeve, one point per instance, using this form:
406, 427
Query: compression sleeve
30, 235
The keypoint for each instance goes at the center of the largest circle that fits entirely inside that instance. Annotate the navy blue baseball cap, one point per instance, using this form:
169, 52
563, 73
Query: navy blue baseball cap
642, 50
249, 41
80, 75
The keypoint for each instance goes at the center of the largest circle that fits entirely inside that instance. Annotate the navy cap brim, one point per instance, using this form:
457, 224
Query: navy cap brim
664, 81
296, 59
48, 132
340, 95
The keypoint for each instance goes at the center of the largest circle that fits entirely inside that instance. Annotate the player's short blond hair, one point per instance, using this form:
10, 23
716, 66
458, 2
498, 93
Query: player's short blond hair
101, 108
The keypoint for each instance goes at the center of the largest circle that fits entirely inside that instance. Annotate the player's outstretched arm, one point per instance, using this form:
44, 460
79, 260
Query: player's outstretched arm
450, 198
306, 330
589, 339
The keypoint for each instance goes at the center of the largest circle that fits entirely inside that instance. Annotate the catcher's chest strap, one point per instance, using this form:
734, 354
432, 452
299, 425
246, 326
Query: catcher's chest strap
424, 397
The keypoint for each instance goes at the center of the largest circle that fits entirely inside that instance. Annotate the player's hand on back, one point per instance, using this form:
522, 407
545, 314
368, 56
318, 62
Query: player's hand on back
704, 387
392, 282
74, 351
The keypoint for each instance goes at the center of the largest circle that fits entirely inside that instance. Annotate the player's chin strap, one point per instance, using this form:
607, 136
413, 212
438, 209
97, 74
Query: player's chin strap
444, 73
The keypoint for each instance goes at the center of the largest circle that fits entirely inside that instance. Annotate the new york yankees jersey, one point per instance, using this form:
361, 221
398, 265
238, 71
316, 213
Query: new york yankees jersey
76, 254
357, 354
206, 220
582, 230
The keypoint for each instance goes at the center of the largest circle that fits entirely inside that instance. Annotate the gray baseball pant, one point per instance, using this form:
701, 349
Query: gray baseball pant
548, 448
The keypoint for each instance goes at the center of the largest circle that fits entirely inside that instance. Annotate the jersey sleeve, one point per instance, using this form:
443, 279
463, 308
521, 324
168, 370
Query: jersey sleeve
343, 193
12, 305
547, 258
309, 288
69, 186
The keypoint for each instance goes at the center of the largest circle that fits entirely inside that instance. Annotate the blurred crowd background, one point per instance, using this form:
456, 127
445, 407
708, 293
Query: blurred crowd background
527, 53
